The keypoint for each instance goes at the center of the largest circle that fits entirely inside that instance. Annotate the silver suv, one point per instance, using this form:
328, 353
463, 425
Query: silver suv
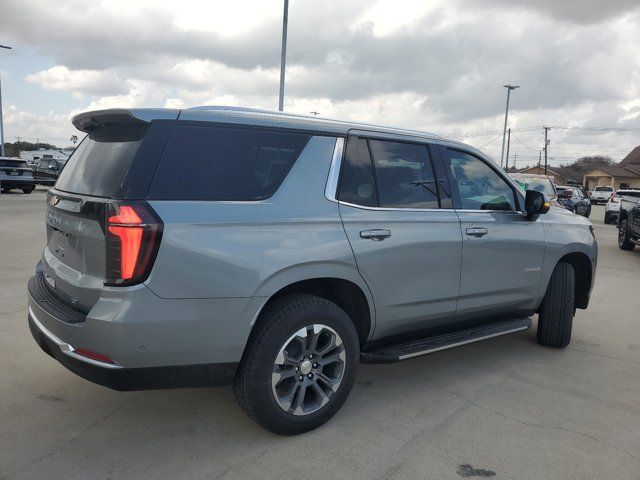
275, 252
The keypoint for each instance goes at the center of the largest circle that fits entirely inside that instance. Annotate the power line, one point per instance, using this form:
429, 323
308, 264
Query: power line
598, 129
480, 133
523, 144
489, 142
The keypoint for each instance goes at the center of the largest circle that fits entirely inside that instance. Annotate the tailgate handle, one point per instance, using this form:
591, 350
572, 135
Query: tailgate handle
477, 232
375, 235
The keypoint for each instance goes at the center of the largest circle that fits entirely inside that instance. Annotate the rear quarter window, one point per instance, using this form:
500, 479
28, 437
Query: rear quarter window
225, 163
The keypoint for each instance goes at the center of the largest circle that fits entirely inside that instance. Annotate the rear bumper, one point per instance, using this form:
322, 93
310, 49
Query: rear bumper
45, 181
154, 343
127, 379
10, 181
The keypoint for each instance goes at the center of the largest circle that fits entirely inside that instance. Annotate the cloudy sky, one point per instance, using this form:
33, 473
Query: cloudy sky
436, 65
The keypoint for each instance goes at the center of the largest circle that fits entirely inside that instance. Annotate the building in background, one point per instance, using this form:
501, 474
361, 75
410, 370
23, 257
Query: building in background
552, 174
625, 174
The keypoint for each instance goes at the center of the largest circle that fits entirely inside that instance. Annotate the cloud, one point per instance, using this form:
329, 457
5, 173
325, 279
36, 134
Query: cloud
578, 11
79, 82
51, 127
437, 65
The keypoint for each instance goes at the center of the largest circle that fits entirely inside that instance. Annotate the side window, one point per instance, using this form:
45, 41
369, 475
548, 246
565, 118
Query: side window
357, 184
225, 163
479, 186
404, 175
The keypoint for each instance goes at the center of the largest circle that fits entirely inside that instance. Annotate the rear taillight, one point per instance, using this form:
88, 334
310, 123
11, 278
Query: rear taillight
132, 233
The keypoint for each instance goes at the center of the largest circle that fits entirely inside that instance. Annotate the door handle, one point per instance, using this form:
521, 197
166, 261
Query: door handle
375, 235
477, 232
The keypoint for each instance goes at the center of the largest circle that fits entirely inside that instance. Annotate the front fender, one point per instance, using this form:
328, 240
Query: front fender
566, 235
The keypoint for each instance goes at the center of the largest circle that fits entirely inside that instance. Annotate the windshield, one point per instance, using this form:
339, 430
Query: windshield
604, 189
538, 184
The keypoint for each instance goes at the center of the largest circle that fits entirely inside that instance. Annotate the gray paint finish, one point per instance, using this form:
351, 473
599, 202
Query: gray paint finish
414, 274
245, 249
220, 262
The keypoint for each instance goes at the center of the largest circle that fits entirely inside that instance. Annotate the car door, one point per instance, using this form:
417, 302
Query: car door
502, 251
582, 205
50, 172
635, 215
40, 169
404, 233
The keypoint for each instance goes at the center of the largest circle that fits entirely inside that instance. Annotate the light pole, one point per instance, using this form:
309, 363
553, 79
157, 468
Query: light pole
283, 53
1, 124
506, 115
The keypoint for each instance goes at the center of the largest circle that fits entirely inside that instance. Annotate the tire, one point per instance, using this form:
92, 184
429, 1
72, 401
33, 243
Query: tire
291, 321
624, 240
555, 317
27, 190
607, 218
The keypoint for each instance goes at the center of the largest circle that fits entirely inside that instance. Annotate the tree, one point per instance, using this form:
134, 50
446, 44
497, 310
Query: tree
576, 170
14, 149
74, 139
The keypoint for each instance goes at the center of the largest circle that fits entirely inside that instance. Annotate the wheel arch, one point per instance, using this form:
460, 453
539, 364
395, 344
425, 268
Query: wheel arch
354, 299
584, 271
622, 214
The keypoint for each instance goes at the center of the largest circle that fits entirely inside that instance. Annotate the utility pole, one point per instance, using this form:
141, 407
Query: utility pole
1, 123
506, 116
546, 145
506, 163
515, 159
283, 54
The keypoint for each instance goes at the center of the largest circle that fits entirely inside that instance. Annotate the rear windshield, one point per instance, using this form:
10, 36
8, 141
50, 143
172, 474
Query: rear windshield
223, 163
628, 193
101, 161
604, 189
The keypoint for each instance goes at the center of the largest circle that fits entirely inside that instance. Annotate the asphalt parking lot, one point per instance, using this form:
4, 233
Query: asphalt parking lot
506, 407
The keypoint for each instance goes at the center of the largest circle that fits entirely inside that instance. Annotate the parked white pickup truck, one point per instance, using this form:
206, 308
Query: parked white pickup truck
601, 195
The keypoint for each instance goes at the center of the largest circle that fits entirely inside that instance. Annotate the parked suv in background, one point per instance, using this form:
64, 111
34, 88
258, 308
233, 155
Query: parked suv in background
573, 199
612, 208
47, 170
629, 219
601, 195
15, 174
210, 246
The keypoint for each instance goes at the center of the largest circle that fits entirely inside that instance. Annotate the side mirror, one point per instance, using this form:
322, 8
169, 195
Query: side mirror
535, 204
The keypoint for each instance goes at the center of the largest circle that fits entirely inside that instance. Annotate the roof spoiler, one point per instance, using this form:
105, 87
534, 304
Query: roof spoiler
91, 121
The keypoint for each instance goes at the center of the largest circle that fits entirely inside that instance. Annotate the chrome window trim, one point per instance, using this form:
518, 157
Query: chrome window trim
400, 209
65, 347
396, 209
331, 189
